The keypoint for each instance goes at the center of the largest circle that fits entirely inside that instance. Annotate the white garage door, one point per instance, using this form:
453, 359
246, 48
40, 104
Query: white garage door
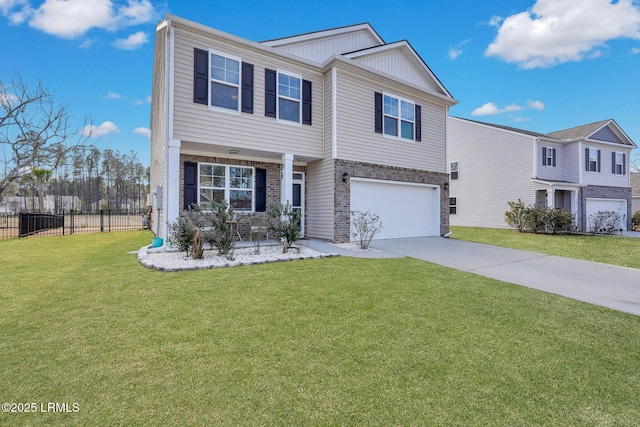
616, 205
406, 209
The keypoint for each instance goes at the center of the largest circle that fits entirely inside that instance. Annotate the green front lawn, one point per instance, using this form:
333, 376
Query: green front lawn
616, 250
334, 341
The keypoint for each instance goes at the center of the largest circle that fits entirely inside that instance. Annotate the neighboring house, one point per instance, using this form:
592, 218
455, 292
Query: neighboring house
583, 170
330, 121
635, 192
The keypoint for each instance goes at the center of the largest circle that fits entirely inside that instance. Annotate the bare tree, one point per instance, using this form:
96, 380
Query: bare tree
34, 131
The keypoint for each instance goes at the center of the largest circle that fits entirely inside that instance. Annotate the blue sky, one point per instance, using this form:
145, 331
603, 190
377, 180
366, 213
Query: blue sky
540, 65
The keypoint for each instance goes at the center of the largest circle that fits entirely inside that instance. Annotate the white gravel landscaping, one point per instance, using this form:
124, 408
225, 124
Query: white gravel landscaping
177, 261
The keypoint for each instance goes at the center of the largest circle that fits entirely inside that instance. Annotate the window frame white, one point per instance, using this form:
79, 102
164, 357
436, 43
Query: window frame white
288, 98
227, 185
596, 165
620, 164
212, 80
456, 170
399, 117
549, 155
453, 205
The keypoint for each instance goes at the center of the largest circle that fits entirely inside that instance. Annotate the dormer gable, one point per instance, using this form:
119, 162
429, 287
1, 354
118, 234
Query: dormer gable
401, 61
321, 45
606, 131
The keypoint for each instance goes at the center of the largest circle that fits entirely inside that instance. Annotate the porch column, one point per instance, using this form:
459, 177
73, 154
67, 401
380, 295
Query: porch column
551, 197
286, 189
171, 201
575, 204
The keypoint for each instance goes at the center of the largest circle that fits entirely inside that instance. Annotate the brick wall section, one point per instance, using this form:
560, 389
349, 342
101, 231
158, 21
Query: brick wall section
594, 191
389, 173
273, 182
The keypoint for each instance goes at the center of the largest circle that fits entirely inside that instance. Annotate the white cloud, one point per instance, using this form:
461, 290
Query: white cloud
495, 21
535, 105
456, 50
113, 95
557, 31
143, 131
635, 50
491, 109
146, 100
104, 129
74, 18
132, 42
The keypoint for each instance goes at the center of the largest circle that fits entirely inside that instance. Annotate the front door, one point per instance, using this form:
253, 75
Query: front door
298, 198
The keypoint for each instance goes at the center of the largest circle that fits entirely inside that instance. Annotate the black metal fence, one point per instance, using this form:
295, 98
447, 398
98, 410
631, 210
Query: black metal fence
27, 224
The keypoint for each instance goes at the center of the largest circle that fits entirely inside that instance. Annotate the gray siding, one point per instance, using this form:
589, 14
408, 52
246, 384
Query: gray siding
495, 166
198, 123
319, 50
397, 64
550, 172
572, 163
605, 177
357, 140
158, 123
320, 199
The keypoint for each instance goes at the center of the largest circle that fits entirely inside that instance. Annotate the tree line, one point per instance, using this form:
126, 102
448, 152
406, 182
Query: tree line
45, 165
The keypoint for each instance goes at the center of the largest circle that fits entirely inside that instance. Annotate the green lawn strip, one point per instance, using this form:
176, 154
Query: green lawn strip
335, 341
616, 250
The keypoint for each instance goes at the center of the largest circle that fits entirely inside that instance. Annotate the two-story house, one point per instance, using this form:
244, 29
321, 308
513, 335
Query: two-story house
584, 170
330, 121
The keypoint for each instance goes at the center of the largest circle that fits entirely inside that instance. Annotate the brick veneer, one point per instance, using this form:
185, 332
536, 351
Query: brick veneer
594, 191
373, 171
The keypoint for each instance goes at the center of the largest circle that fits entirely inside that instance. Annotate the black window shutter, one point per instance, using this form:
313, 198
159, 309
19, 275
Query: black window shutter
270, 93
624, 164
418, 123
306, 102
544, 156
553, 155
200, 76
261, 190
613, 163
190, 184
586, 159
247, 88
599, 161
378, 116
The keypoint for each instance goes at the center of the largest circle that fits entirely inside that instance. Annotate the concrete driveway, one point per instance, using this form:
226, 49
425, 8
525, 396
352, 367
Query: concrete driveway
601, 284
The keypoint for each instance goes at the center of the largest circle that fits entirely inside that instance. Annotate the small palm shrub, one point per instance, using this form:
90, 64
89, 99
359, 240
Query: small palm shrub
221, 236
285, 223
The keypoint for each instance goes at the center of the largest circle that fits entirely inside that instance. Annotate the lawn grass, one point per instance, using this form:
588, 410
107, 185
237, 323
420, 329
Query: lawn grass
616, 250
333, 341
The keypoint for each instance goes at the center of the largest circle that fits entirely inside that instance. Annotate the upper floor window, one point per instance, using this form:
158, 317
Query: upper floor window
225, 81
548, 156
399, 117
233, 184
619, 163
592, 160
453, 169
289, 97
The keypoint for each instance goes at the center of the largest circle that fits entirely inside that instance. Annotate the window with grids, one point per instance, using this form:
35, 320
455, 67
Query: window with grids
619, 159
225, 81
453, 169
593, 160
399, 117
453, 205
289, 96
233, 184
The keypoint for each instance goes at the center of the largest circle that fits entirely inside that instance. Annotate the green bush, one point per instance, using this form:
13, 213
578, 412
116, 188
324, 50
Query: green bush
534, 219
285, 223
181, 231
635, 221
222, 234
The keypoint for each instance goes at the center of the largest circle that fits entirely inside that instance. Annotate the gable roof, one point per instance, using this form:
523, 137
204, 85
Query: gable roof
603, 131
332, 32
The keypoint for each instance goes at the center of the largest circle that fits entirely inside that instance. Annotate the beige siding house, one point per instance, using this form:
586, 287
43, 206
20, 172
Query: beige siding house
583, 170
330, 121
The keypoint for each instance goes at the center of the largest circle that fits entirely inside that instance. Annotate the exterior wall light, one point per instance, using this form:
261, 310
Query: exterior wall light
345, 176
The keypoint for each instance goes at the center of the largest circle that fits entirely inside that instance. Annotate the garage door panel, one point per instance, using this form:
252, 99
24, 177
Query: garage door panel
406, 210
615, 205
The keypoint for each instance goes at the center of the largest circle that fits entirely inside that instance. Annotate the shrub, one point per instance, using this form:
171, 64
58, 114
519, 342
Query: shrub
534, 219
222, 235
181, 231
604, 222
285, 223
365, 226
635, 221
